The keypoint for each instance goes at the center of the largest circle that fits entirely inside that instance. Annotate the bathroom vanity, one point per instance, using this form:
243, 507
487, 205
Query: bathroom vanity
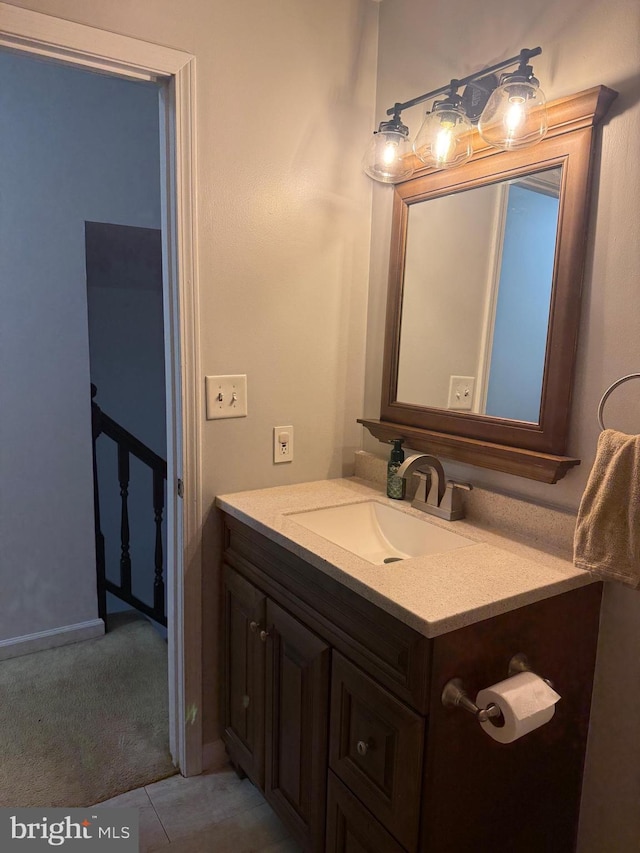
334, 668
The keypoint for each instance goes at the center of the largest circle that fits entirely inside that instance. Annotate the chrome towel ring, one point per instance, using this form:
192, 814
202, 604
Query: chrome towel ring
611, 388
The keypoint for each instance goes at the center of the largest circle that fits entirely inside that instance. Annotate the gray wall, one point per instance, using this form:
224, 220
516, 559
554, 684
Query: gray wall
126, 345
67, 157
126, 337
522, 310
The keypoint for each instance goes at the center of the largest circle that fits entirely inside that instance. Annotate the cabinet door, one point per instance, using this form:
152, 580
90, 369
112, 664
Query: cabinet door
297, 710
244, 665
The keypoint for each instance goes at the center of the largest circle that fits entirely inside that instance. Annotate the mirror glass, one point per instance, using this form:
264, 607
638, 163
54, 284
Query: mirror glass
476, 296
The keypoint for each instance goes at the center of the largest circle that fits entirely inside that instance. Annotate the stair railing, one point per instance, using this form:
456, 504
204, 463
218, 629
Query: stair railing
127, 445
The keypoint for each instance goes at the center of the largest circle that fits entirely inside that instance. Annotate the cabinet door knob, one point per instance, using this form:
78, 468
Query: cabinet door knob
253, 626
363, 746
264, 636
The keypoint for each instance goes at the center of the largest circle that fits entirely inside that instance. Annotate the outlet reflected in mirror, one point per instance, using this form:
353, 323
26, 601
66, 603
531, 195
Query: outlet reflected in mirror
476, 297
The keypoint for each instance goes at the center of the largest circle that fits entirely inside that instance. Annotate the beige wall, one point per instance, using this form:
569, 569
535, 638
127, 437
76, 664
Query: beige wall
285, 94
441, 330
422, 46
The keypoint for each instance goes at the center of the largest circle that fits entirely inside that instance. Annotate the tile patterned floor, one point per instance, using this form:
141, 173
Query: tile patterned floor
213, 813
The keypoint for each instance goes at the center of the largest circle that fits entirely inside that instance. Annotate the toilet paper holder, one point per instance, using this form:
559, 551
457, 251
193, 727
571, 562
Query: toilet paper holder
455, 696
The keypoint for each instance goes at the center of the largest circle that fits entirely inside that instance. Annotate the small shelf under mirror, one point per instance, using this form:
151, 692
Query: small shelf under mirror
498, 457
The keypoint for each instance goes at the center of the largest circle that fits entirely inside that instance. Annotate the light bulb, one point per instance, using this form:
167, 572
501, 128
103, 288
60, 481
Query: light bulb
515, 115
390, 151
444, 140
387, 157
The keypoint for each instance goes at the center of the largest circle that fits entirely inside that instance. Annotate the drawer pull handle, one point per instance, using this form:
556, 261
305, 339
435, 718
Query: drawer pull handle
363, 746
253, 626
264, 636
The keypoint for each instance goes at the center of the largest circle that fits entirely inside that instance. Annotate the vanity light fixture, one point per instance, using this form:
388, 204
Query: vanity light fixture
515, 115
510, 113
444, 140
387, 156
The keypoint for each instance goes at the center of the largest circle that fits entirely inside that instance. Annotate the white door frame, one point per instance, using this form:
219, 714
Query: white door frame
80, 45
494, 271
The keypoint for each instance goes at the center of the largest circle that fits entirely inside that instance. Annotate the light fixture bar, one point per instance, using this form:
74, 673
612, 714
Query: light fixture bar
522, 58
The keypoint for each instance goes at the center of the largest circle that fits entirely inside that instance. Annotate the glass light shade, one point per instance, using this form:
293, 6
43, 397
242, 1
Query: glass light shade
387, 157
444, 140
515, 115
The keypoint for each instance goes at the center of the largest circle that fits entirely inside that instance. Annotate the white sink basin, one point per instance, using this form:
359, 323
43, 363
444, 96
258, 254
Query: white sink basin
378, 532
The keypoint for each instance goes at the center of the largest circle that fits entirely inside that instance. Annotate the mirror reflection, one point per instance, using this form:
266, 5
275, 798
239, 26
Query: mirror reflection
477, 285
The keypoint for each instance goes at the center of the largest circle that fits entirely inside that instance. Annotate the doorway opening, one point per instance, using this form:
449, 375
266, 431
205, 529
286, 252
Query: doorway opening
83, 151
26, 32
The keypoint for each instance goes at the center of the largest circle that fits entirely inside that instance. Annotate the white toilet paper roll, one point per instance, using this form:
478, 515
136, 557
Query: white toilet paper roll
526, 702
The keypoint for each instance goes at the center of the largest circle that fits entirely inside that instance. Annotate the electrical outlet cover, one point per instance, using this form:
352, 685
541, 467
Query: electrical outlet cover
282, 444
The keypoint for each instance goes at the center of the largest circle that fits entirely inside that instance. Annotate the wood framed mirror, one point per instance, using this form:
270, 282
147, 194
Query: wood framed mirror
483, 303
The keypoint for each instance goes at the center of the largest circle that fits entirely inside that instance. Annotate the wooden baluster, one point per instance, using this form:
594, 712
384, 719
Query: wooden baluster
96, 429
125, 558
158, 507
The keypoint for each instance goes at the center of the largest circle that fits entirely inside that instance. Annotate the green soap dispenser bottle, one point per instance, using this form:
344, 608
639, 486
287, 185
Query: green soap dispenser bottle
395, 485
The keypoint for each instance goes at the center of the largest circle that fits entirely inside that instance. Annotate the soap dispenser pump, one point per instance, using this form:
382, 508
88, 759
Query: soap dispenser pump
395, 485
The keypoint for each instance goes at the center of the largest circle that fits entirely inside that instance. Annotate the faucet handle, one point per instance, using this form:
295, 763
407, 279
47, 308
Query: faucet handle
456, 484
423, 487
451, 504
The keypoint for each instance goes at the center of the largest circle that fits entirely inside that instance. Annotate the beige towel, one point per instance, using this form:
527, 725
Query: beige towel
607, 537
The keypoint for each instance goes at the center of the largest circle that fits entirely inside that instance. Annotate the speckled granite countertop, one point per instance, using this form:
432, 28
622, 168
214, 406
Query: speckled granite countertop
433, 594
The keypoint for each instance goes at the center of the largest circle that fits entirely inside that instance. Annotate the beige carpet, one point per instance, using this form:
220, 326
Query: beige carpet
82, 723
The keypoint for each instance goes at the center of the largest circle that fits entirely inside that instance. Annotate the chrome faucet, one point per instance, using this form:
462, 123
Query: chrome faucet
434, 495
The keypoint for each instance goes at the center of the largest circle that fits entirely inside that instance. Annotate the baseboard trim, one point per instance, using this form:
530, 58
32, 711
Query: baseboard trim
51, 639
214, 756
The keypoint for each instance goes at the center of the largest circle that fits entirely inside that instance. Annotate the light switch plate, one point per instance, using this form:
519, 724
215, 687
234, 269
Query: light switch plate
226, 396
461, 390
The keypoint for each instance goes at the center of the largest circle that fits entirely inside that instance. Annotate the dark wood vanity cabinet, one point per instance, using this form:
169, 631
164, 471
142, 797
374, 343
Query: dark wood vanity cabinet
376, 749
244, 674
350, 827
297, 700
276, 706
332, 707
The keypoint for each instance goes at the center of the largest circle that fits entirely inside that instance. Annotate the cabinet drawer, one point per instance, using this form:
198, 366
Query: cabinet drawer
350, 827
376, 746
